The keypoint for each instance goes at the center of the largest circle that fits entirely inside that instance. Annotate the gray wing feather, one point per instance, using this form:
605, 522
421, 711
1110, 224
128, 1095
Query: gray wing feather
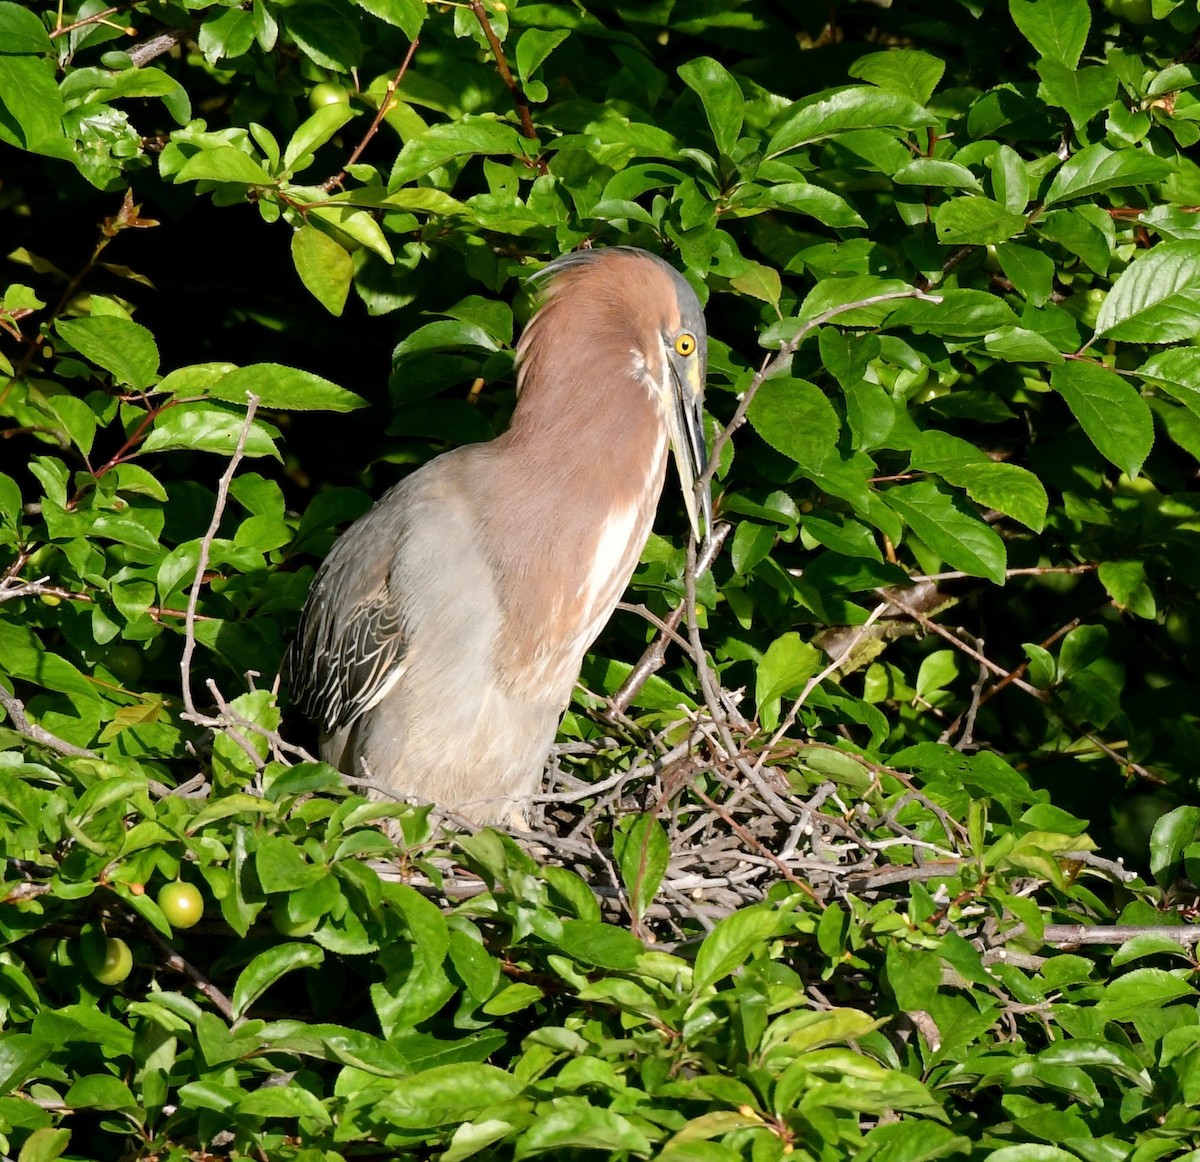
351, 637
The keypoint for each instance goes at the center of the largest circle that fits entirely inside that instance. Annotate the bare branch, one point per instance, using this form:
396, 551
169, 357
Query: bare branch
189, 643
35, 733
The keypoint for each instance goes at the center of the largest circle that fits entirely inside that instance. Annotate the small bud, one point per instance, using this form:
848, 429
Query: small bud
137, 889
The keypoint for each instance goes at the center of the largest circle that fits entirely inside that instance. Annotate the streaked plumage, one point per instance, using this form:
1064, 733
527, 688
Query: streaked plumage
445, 631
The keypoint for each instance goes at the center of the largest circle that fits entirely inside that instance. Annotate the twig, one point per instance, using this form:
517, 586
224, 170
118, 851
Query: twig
35, 733
655, 654
189, 641
385, 107
172, 960
151, 49
893, 596
1067, 935
817, 679
510, 82
781, 358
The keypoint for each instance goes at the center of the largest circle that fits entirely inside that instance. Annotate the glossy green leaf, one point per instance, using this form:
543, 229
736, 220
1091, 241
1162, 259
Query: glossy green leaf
446, 1094
269, 967
407, 15
960, 538
1157, 297
441, 143
1058, 30
903, 70
975, 220
1112, 413
721, 97
841, 110
1097, 168
125, 349
1009, 488
643, 851
323, 266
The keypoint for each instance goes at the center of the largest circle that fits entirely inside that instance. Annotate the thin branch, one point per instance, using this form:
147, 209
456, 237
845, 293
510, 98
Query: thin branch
30, 730
511, 83
189, 642
813, 682
655, 653
151, 49
783, 356
385, 107
1068, 935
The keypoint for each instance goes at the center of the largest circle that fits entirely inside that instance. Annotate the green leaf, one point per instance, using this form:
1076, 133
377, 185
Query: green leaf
224, 164
31, 107
796, 418
643, 852
1141, 991
908, 71
324, 35
1157, 297
786, 666
733, 939
100, 1091
1057, 30
45, 1144
267, 968
535, 45
124, 349
279, 1101
207, 427
975, 220
440, 143
312, 134
1097, 168
936, 171
573, 1123
603, 945
1127, 584
837, 111
721, 96
406, 15
323, 266
281, 867
960, 313
1177, 372
446, 1095
1112, 413
824, 205
1010, 489
285, 389
959, 537
1081, 92
1172, 833
21, 31
1030, 271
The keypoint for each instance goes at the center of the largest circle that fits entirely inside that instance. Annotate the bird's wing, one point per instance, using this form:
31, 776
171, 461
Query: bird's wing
350, 644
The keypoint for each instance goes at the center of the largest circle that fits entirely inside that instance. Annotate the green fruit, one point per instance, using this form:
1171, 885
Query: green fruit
124, 662
326, 93
286, 926
181, 903
51, 599
117, 963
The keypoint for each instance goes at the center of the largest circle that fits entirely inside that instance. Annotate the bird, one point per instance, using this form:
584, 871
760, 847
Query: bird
445, 631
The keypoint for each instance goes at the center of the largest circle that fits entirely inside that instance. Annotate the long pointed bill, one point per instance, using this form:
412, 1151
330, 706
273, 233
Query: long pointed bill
685, 419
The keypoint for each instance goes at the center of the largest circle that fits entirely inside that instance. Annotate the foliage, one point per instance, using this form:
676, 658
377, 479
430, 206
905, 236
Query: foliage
817, 906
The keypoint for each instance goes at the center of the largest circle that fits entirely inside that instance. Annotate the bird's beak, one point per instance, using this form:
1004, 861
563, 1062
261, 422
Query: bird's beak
685, 420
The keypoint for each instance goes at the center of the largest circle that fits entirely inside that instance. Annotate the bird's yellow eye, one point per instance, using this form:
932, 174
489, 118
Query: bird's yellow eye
685, 345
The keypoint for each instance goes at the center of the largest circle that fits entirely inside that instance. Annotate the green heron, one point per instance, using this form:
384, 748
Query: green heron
446, 629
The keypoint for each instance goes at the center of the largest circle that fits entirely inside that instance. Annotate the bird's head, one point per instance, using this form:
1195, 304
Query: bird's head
624, 312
